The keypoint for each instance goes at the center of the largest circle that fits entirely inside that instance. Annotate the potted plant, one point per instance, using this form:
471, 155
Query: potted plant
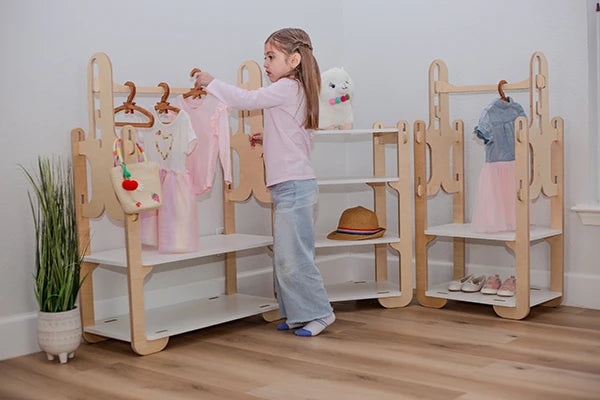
57, 258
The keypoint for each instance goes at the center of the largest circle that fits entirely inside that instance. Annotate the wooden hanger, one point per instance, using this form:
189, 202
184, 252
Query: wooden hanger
163, 105
129, 107
195, 93
500, 91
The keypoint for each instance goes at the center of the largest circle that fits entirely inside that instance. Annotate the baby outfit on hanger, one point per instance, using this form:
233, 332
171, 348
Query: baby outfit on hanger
210, 120
494, 209
174, 226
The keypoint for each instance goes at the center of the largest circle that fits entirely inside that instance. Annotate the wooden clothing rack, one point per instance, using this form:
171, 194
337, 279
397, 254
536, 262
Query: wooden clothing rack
149, 330
539, 169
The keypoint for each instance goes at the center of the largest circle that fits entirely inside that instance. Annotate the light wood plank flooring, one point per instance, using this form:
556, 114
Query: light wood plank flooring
463, 351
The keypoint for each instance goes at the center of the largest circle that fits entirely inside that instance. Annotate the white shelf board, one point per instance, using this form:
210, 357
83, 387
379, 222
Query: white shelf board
464, 231
208, 245
322, 241
360, 290
184, 317
362, 179
353, 131
536, 296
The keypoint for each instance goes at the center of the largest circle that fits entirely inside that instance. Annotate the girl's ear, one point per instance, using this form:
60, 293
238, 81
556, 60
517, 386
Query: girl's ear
295, 60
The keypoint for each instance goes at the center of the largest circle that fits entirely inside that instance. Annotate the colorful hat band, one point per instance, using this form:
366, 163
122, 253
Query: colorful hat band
358, 231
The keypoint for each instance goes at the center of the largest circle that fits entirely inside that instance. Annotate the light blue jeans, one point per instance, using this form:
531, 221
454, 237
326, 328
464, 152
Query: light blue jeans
298, 282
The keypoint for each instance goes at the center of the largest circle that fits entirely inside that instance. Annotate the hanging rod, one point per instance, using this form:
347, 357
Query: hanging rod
118, 88
445, 87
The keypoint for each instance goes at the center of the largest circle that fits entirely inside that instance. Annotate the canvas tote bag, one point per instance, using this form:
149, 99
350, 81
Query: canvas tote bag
137, 185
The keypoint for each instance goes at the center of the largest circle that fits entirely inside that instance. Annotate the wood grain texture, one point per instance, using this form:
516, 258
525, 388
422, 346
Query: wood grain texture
462, 352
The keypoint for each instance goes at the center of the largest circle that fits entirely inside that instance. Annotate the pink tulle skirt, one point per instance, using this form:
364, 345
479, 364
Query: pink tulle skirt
494, 209
174, 226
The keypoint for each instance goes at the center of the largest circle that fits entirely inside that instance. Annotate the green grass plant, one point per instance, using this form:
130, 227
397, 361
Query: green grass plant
57, 258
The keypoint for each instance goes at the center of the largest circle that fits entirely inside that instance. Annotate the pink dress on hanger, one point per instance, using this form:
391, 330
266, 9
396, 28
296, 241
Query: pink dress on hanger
174, 226
495, 202
210, 120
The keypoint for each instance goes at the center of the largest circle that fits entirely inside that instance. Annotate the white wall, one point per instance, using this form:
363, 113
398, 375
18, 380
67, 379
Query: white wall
386, 46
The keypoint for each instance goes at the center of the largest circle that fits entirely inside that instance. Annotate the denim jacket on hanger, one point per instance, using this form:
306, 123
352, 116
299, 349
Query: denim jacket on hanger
497, 129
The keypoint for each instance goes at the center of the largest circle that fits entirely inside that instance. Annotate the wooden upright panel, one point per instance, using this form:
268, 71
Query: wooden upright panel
98, 150
421, 239
251, 167
86, 272
557, 214
379, 197
521, 244
405, 246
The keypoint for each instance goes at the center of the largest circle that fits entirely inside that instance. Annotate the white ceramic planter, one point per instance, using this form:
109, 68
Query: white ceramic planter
59, 334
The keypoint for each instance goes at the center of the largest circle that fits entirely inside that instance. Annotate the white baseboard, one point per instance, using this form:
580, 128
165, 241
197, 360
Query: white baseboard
19, 332
19, 335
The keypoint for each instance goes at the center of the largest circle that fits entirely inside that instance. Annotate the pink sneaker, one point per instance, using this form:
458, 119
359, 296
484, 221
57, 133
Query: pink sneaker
492, 284
508, 287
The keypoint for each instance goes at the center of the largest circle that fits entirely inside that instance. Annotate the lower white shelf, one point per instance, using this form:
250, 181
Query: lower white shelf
536, 296
360, 290
188, 316
321, 241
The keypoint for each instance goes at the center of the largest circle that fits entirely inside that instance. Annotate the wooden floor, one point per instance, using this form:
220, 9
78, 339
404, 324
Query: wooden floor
462, 351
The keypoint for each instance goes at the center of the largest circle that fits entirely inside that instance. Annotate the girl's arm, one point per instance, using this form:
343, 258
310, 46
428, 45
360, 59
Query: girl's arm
271, 96
244, 99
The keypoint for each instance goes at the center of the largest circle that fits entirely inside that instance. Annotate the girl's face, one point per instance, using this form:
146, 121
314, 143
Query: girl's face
277, 63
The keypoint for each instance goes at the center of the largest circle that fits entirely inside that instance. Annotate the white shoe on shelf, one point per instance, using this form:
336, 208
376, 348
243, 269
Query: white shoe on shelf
474, 284
456, 285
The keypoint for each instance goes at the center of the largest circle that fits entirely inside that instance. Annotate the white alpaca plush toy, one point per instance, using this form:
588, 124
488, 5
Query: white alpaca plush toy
335, 100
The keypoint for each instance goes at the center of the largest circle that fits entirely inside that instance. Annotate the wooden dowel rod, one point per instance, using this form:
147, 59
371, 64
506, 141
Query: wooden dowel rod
117, 88
445, 87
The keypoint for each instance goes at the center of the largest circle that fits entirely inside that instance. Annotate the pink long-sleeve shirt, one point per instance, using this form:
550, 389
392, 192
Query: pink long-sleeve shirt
286, 143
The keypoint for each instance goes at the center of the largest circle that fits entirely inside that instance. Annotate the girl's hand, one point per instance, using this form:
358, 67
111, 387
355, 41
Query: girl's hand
256, 138
202, 79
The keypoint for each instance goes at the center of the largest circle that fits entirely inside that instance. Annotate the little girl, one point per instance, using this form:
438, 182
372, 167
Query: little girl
291, 106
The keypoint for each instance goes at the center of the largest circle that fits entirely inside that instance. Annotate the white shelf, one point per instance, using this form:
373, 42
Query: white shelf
353, 131
536, 296
360, 290
321, 241
363, 179
464, 231
208, 245
184, 317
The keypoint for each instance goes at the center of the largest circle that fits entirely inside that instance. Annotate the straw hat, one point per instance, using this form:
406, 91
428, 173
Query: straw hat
357, 223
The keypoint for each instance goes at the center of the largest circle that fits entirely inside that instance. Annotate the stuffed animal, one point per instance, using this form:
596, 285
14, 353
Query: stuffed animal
335, 100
